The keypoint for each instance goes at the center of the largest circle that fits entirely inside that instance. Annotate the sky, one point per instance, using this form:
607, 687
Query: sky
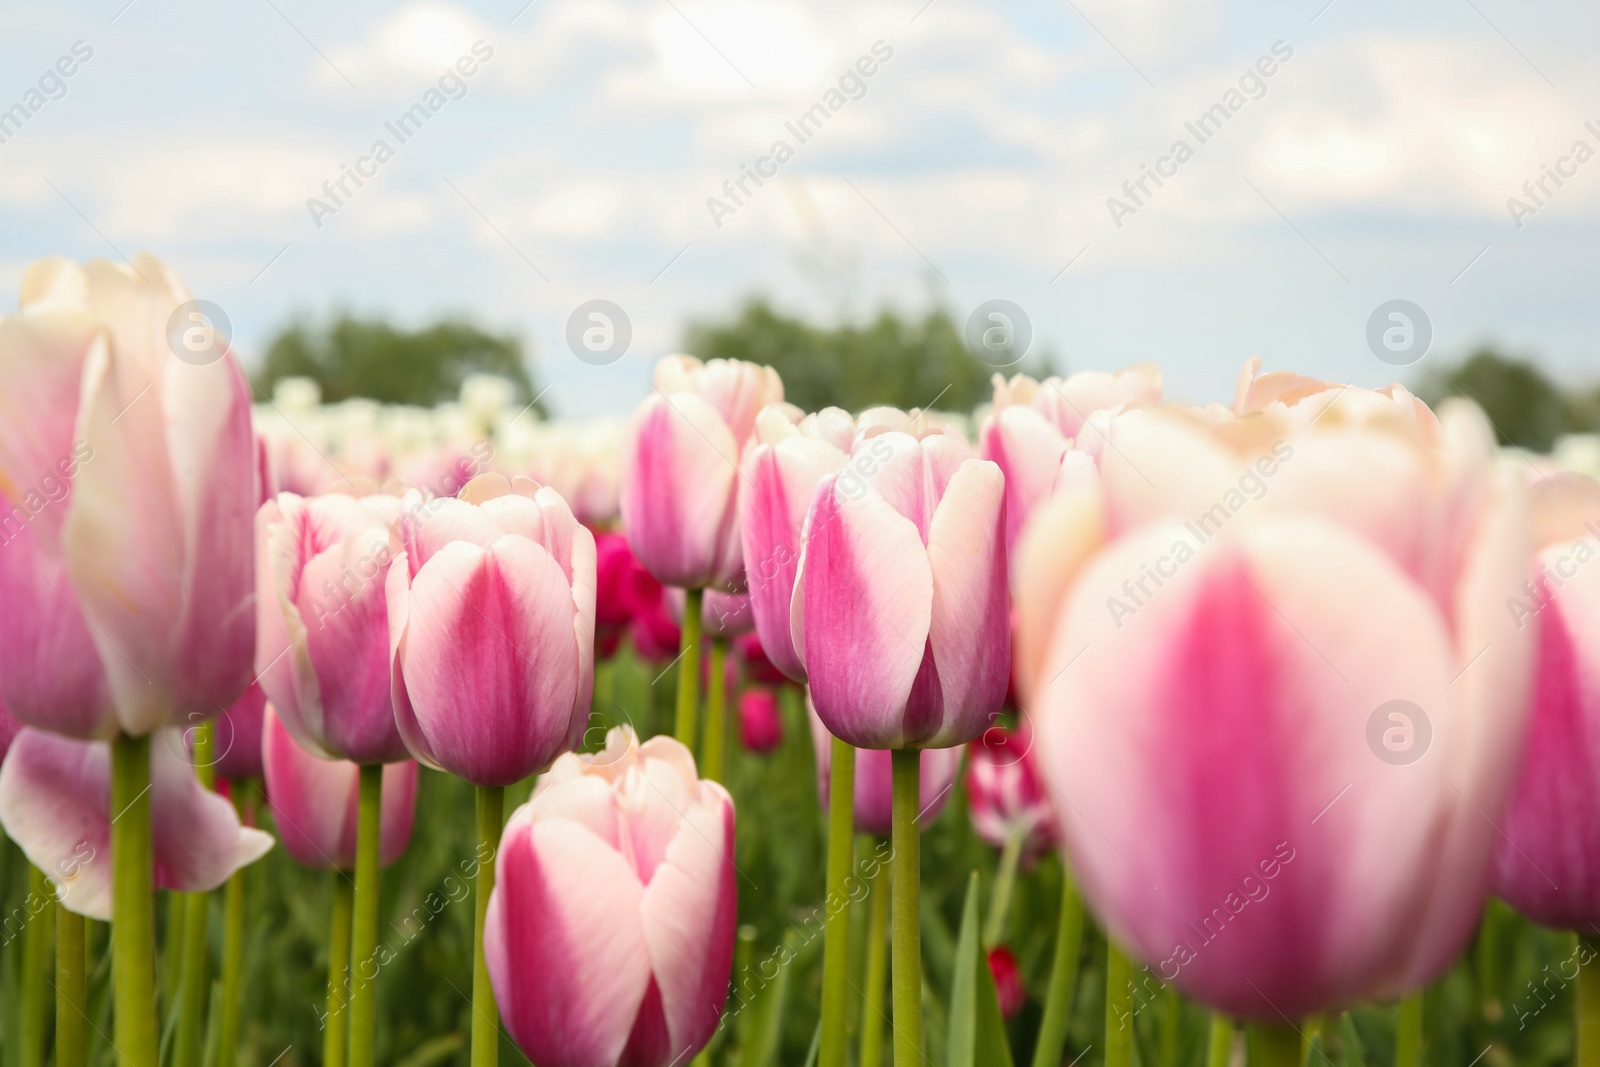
957, 152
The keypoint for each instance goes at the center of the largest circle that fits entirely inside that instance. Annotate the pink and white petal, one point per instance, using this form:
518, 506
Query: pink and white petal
1059, 541
893, 466
565, 944
313, 800
1157, 465
490, 662
1029, 450
398, 595
581, 570
1260, 664
679, 483
55, 803
868, 603
689, 914
199, 841
971, 622
398, 811
428, 526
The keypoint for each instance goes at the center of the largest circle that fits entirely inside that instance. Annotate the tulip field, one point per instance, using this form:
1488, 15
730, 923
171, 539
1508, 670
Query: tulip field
1088, 727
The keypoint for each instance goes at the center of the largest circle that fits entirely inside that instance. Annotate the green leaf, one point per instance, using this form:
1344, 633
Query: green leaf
977, 1032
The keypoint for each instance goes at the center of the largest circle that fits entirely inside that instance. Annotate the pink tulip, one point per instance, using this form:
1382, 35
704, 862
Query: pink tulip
722, 613
8, 730
1276, 691
314, 802
491, 629
55, 802
610, 929
323, 633
1005, 797
1008, 986
760, 722
1545, 866
127, 482
900, 609
237, 737
680, 468
750, 652
613, 596
874, 792
1034, 423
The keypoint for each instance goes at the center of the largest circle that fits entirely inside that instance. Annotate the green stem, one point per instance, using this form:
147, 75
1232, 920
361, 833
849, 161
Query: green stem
689, 670
1274, 1046
133, 903
1408, 1035
485, 1014
364, 922
994, 924
876, 1010
1119, 1007
233, 938
1063, 974
906, 883
1219, 1047
1588, 1001
336, 1032
836, 946
72, 990
36, 938
716, 739
193, 983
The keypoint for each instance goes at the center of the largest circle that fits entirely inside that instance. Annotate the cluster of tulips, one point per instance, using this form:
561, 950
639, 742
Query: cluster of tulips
1292, 686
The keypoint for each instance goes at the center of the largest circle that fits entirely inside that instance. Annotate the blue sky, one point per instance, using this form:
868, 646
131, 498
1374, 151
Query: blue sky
1374, 163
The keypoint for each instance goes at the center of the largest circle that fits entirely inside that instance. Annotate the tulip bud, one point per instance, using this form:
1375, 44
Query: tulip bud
314, 802
610, 929
1004, 795
760, 723
874, 781
491, 629
1008, 986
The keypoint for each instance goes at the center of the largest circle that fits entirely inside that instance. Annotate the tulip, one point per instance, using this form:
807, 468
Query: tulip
873, 793
760, 723
611, 926
613, 599
1276, 610
238, 737
1008, 985
1033, 424
747, 648
55, 802
680, 468
1005, 798
491, 636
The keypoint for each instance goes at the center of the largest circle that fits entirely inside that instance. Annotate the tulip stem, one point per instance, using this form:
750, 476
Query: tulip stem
1219, 1046
905, 880
36, 937
193, 982
836, 947
233, 937
874, 1014
336, 1032
994, 925
364, 921
485, 1014
1274, 1046
689, 670
1588, 1001
1063, 974
133, 946
1408, 1035
716, 715
1119, 1007
72, 990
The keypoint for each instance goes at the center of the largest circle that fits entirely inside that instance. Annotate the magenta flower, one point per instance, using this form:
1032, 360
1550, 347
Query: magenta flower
680, 468
127, 484
1005, 796
491, 629
314, 802
900, 608
760, 722
874, 793
610, 929
55, 802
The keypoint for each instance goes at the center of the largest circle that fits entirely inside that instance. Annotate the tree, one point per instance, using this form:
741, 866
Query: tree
1526, 408
892, 359
351, 356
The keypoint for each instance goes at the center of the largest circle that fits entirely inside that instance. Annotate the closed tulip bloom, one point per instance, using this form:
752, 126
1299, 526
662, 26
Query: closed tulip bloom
491, 629
760, 723
1546, 862
722, 613
237, 736
613, 598
900, 608
610, 929
127, 487
753, 655
874, 785
1269, 668
55, 802
314, 802
323, 634
1005, 797
1034, 423
680, 468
